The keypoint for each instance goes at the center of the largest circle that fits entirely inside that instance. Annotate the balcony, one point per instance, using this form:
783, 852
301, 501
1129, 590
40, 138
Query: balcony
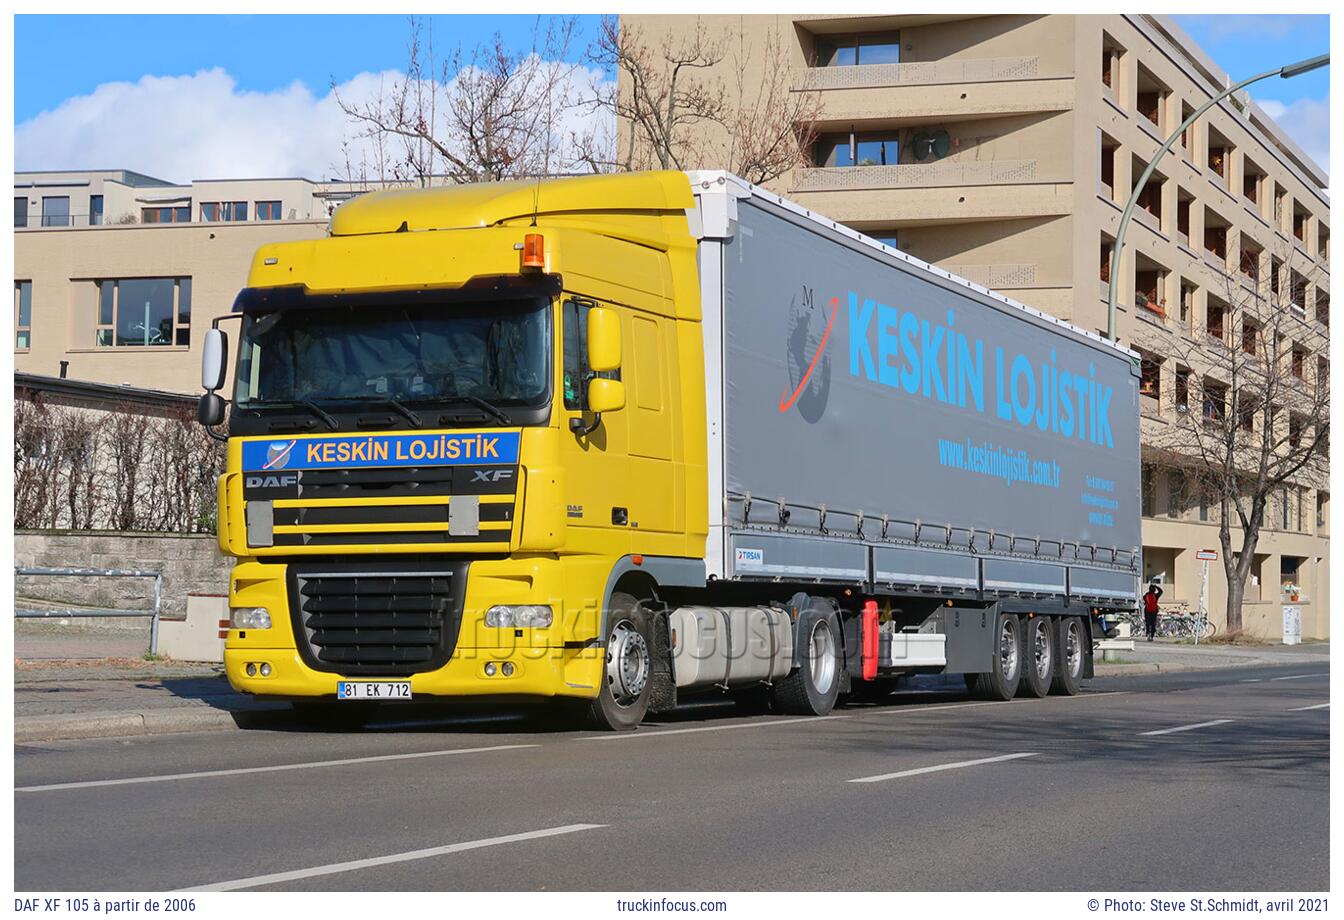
38, 221
919, 73
914, 175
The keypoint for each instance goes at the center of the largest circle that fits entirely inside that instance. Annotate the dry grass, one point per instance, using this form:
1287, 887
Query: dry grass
1239, 637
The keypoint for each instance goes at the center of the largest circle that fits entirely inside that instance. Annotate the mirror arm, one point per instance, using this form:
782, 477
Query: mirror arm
582, 428
216, 434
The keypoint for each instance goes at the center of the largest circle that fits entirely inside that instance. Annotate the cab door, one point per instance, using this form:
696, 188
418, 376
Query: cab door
654, 481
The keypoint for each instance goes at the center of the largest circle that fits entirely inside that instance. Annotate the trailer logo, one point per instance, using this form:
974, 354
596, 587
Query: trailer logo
809, 368
277, 454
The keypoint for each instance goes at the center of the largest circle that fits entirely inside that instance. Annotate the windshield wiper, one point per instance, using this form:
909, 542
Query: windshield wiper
308, 404
400, 407
488, 408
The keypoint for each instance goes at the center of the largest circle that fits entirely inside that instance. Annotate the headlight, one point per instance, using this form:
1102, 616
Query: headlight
519, 615
249, 618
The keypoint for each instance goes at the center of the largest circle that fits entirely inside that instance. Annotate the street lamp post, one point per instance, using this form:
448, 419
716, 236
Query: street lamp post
1290, 70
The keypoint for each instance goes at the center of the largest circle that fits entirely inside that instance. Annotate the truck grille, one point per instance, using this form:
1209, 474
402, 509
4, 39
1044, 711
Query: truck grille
384, 621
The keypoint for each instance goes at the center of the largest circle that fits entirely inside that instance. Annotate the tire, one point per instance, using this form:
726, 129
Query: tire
1038, 657
814, 686
1000, 683
1070, 653
623, 700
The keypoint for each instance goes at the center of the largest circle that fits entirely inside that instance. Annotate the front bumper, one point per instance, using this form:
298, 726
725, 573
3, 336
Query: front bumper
538, 672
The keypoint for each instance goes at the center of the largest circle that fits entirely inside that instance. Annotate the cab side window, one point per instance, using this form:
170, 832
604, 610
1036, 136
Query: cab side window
575, 346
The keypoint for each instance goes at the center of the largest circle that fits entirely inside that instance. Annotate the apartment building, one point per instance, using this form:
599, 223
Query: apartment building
117, 197
1003, 148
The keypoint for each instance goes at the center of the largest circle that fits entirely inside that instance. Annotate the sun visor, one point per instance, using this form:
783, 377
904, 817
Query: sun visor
259, 300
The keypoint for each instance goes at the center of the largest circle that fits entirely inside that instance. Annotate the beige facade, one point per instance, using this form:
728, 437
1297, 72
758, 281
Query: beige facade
1003, 148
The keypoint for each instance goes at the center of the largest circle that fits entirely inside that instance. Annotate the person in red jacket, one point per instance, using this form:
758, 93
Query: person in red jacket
1150, 610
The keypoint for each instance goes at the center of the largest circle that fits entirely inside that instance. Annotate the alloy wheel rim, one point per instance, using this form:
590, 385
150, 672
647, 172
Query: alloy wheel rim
822, 646
627, 663
1007, 650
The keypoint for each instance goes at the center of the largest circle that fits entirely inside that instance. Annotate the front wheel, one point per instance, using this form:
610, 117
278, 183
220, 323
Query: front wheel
624, 698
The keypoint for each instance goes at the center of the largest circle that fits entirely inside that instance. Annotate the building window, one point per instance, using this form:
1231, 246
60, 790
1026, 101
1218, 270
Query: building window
143, 311
56, 211
1220, 156
849, 50
1214, 313
1297, 292
1215, 402
23, 314
1323, 244
1322, 307
1296, 426
886, 236
1187, 306
844, 150
1150, 378
216, 211
168, 215
1250, 337
1150, 198
1183, 218
1251, 180
1322, 511
1148, 289
1215, 238
1107, 254
1299, 362
1182, 394
1322, 371
1111, 54
1147, 490
95, 210
1188, 135
1300, 218
1250, 260
1109, 150
1247, 406
268, 210
20, 211
1176, 493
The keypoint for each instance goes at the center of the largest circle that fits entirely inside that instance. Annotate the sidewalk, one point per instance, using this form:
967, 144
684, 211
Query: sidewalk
110, 697
113, 697
1168, 655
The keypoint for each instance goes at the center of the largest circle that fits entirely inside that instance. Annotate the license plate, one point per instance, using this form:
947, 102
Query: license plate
373, 690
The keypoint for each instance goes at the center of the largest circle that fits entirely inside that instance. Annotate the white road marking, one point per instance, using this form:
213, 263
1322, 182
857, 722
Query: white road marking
946, 766
764, 723
1252, 680
352, 865
1301, 676
165, 777
1186, 728
1309, 708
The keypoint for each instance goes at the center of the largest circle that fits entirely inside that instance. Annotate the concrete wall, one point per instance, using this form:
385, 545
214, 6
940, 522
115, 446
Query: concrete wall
190, 564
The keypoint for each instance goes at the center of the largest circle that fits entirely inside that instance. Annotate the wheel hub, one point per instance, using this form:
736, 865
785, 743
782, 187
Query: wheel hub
627, 663
1042, 643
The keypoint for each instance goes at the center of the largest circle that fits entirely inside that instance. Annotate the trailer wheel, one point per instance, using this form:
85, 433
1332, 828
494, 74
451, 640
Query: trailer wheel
1000, 683
1070, 650
812, 689
1038, 658
624, 697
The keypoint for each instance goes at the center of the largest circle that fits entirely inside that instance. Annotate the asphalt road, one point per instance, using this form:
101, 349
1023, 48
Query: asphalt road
1210, 781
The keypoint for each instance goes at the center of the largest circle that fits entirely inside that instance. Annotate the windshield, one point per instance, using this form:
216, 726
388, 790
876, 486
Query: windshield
498, 352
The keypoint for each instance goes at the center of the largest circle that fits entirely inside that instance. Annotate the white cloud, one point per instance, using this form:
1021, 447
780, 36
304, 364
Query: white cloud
202, 126
1307, 122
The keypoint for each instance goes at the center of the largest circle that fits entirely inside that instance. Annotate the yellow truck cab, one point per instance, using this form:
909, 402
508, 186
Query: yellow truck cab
486, 441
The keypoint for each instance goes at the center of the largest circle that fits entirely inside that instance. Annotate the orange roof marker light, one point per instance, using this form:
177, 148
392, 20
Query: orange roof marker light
534, 251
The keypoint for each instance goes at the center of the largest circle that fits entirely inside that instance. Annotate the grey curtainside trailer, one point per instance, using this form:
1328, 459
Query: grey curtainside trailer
880, 424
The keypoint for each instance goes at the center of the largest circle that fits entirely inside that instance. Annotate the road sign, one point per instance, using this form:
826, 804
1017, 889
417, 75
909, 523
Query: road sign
1208, 555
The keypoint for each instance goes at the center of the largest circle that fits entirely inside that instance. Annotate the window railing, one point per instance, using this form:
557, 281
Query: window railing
916, 175
917, 73
38, 221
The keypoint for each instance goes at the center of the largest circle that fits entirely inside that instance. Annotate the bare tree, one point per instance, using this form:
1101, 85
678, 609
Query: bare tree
675, 111
482, 115
1252, 403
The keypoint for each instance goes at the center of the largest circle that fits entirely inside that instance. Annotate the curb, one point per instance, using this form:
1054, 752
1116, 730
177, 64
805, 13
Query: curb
76, 726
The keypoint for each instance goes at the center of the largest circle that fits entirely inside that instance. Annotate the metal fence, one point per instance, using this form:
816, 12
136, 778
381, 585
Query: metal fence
97, 612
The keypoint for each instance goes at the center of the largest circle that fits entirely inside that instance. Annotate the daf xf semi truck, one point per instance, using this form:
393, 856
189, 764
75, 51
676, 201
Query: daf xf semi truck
610, 441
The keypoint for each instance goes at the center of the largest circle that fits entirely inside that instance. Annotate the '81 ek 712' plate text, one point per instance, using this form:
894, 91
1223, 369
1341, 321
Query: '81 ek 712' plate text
373, 690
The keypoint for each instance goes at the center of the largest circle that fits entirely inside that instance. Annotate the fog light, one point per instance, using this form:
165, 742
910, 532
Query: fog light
249, 618
265, 670
489, 669
251, 669
535, 616
508, 669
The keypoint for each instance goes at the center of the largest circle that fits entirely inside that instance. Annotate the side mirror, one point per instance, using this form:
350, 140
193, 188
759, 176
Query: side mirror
604, 341
214, 358
210, 410
605, 395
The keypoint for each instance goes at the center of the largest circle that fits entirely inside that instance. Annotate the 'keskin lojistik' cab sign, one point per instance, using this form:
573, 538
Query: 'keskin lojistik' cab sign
379, 450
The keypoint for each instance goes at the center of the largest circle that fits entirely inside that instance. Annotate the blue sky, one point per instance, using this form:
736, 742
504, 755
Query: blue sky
260, 52
198, 95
